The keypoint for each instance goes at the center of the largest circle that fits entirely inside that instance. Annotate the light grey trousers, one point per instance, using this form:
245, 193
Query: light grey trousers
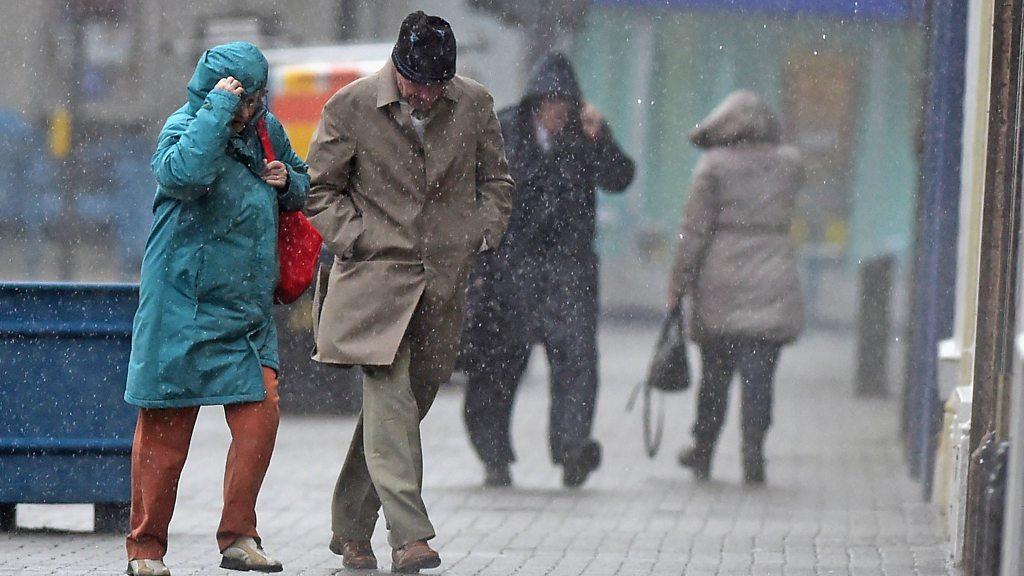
384, 466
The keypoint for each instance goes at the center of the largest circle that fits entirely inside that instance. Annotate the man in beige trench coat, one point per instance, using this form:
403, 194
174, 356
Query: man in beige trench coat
409, 182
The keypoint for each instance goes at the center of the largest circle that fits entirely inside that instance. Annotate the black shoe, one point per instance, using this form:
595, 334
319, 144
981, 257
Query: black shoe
754, 477
697, 459
578, 465
497, 476
753, 468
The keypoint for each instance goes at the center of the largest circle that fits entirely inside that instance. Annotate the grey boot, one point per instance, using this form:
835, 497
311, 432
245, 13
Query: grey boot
753, 463
497, 476
698, 459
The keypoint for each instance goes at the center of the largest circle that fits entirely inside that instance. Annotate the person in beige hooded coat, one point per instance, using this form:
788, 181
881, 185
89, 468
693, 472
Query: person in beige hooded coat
737, 266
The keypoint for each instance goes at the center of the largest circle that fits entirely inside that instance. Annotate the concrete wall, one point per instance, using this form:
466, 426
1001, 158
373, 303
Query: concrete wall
28, 56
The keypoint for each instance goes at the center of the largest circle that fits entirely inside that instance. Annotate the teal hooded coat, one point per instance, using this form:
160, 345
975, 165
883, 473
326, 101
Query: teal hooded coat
204, 326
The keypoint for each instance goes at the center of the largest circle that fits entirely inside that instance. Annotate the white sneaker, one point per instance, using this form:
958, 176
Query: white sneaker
147, 568
245, 555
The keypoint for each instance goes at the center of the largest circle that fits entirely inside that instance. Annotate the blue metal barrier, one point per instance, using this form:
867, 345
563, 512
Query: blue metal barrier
65, 430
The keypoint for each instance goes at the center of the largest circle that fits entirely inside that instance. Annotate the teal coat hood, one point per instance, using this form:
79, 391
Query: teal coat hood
241, 60
204, 326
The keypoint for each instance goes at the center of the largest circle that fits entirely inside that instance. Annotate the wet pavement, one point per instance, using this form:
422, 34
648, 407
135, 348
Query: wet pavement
838, 500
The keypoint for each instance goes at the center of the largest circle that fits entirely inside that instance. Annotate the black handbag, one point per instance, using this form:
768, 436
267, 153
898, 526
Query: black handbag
669, 371
670, 368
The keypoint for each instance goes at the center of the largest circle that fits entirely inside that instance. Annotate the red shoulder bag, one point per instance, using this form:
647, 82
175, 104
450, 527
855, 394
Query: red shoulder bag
298, 243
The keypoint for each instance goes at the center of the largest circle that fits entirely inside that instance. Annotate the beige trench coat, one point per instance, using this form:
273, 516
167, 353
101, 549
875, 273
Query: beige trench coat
735, 258
404, 219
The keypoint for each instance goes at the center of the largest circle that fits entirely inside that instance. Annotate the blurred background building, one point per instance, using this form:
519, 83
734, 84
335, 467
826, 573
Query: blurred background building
845, 77
89, 82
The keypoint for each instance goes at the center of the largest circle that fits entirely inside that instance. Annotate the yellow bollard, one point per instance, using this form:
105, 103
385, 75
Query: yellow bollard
60, 133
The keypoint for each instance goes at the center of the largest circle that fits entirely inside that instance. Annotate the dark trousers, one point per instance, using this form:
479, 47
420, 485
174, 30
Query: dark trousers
721, 358
560, 312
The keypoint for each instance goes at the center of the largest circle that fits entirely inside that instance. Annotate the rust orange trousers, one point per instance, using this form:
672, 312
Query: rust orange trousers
162, 438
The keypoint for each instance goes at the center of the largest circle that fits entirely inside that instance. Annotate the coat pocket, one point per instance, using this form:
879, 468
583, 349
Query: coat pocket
356, 248
341, 235
226, 273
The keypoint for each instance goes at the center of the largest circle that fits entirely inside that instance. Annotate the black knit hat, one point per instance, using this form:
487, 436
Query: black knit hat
425, 51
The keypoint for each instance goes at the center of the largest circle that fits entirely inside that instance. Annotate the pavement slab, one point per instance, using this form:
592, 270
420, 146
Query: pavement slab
838, 500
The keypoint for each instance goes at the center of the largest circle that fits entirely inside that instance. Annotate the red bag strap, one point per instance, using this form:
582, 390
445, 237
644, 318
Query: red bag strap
268, 148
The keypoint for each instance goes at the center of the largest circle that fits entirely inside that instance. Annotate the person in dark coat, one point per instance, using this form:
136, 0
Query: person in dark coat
541, 285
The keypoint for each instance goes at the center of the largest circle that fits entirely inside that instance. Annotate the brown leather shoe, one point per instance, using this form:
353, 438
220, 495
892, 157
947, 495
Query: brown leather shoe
358, 554
413, 557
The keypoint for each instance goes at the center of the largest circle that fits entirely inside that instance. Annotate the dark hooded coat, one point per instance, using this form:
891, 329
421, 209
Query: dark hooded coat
555, 204
554, 212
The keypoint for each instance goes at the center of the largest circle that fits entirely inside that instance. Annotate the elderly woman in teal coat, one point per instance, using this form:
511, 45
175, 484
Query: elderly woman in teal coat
204, 334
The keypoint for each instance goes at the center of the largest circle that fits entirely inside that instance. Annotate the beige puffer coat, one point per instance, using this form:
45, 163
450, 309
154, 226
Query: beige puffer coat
735, 258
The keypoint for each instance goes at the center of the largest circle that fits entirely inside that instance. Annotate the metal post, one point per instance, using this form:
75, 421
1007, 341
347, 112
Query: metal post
72, 60
874, 327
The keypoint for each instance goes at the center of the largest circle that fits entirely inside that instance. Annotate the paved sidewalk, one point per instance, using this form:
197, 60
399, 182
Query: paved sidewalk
838, 500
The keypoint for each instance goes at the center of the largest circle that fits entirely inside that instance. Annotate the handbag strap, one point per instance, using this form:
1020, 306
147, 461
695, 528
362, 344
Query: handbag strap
652, 429
672, 319
268, 146
265, 143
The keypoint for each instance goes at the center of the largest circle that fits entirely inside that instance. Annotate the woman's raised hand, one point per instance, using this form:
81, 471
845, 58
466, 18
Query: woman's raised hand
229, 84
